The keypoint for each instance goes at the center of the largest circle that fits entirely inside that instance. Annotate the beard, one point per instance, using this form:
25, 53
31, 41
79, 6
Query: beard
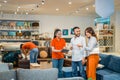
77, 35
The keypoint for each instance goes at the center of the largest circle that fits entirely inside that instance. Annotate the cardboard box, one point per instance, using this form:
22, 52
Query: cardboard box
34, 66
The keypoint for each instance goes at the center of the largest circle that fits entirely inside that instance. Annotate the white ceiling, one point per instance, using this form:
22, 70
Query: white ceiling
78, 7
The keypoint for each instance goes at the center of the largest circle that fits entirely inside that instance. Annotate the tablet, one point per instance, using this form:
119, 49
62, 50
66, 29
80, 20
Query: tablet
65, 50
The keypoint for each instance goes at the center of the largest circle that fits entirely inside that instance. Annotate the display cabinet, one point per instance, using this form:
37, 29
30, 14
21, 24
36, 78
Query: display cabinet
105, 33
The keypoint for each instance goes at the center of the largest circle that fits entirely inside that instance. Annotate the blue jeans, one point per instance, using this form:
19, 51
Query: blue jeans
58, 63
81, 69
33, 55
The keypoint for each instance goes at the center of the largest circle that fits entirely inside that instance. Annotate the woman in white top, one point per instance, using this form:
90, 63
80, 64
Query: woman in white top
92, 53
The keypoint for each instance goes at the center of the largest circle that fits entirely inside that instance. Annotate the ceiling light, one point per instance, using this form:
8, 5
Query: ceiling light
93, 5
76, 11
19, 7
15, 12
0, 5
87, 8
27, 13
57, 9
70, 2
43, 3
5, 1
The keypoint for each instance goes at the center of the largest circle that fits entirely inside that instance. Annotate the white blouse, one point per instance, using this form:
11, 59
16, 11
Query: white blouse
92, 47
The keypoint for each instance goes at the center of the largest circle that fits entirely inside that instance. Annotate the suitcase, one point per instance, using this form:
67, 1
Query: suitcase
24, 63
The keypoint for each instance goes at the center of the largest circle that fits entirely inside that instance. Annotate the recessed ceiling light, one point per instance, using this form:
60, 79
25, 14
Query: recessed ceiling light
5, 1
76, 11
70, 2
15, 12
93, 5
19, 7
43, 3
87, 8
27, 13
57, 9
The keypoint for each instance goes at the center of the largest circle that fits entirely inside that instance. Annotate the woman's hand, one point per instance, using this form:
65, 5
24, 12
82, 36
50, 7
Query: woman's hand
83, 61
79, 45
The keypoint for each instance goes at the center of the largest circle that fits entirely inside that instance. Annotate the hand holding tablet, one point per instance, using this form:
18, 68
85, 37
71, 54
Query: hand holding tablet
65, 50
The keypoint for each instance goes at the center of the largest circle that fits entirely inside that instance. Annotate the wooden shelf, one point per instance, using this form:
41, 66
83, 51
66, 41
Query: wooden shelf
18, 29
106, 35
105, 46
103, 29
14, 40
43, 59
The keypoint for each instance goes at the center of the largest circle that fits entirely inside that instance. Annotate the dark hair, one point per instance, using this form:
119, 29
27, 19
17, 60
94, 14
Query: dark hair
55, 32
76, 27
21, 46
91, 31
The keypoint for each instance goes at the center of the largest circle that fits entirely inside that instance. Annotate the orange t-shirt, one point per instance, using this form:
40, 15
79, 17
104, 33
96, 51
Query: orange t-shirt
58, 45
29, 45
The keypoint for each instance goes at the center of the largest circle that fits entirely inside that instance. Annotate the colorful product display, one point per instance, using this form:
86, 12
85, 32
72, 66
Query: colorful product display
18, 29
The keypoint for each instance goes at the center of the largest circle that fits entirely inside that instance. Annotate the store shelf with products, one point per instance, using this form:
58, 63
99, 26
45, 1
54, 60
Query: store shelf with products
18, 30
105, 34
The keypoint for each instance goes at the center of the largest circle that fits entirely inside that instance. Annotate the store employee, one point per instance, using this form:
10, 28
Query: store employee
32, 49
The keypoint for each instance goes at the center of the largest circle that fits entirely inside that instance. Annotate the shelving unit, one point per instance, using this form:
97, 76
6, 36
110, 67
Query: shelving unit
13, 33
105, 34
18, 30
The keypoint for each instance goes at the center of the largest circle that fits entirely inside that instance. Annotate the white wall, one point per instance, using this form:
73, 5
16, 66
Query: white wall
117, 32
48, 22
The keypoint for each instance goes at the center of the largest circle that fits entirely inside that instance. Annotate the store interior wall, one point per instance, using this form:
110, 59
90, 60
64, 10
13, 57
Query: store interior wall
50, 22
117, 32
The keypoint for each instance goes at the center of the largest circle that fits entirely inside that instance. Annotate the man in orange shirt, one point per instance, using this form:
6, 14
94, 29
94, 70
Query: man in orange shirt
57, 45
32, 49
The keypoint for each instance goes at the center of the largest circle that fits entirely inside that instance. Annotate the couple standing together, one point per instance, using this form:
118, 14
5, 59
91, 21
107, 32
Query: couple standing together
80, 53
